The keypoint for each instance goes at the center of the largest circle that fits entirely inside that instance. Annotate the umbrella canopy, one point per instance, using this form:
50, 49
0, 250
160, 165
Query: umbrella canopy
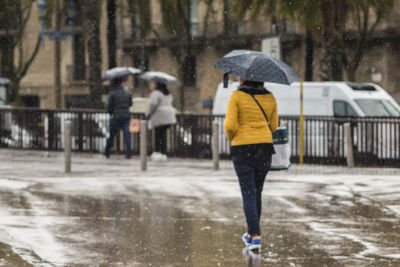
258, 67
158, 76
119, 72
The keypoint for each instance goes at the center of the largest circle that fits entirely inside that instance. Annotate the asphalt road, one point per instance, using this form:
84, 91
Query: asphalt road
182, 213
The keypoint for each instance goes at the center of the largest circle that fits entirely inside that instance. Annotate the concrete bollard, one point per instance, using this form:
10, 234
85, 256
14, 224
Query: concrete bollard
143, 145
215, 153
67, 146
349, 145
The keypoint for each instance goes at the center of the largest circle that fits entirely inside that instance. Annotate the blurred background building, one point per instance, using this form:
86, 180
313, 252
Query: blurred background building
186, 38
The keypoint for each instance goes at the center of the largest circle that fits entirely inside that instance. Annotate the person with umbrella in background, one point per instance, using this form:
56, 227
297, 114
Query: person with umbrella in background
161, 113
118, 103
251, 119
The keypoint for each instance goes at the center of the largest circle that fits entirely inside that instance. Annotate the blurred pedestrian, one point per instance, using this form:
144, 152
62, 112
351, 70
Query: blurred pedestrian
119, 101
252, 148
161, 114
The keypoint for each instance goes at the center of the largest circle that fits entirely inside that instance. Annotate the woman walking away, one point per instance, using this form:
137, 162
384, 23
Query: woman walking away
161, 114
252, 149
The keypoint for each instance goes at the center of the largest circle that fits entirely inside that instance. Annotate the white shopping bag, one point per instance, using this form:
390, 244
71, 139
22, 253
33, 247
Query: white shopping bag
281, 158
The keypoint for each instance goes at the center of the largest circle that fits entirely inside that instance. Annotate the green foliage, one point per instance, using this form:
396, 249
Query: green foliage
176, 21
326, 20
176, 16
141, 9
367, 14
255, 8
361, 10
306, 12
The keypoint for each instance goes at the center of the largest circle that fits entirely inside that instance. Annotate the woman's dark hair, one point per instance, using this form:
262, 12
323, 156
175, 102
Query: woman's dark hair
116, 82
163, 88
253, 84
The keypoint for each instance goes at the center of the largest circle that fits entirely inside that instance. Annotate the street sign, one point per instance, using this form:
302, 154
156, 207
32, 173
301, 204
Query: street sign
271, 47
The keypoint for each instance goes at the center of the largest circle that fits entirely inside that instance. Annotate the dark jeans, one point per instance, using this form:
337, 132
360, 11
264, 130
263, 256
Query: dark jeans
161, 138
251, 171
117, 123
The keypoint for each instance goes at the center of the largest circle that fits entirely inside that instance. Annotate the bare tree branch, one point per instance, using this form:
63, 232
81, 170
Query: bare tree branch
30, 60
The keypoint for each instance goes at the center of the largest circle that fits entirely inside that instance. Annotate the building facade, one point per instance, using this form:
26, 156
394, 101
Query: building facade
38, 85
380, 64
213, 33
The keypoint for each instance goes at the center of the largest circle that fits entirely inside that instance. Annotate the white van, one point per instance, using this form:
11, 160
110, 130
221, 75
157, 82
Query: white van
339, 99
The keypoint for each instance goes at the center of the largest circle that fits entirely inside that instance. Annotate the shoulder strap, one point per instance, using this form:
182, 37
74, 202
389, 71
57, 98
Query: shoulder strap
262, 110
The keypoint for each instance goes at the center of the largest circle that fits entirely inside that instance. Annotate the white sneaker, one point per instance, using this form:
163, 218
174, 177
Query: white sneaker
164, 157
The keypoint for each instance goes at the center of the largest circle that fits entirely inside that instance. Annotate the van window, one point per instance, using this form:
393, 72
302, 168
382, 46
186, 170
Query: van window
343, 109
361, 87
378, 108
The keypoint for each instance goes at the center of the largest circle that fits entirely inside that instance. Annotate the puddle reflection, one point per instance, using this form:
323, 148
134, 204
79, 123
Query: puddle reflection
253, 258
145, 229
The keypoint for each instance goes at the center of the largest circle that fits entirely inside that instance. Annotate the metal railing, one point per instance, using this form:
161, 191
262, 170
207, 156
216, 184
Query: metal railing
32, 128
376, 141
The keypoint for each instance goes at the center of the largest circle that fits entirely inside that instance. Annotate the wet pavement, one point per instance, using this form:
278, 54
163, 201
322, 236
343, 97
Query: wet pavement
182, 213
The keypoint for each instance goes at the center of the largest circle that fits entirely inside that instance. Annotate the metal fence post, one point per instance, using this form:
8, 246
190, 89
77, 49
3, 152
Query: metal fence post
143, 145
301, 156
215, 145
80, 131
51, 131
349, 145
67, 146
284, 124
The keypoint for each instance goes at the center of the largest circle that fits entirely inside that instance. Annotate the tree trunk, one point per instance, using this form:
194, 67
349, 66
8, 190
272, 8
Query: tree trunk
330, 65
8, 68
7, 57
309, 56
334, 19
227, 20
326, 59
351, 74
180, 60
181, 91
16, 101
57, 74
111, 34
57, 57
352, 65
337, 70
92, 15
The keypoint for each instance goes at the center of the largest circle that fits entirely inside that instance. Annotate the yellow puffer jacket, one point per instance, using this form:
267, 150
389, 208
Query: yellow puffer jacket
245, 123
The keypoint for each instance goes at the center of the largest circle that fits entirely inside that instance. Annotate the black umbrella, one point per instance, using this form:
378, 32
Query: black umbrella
256, 66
